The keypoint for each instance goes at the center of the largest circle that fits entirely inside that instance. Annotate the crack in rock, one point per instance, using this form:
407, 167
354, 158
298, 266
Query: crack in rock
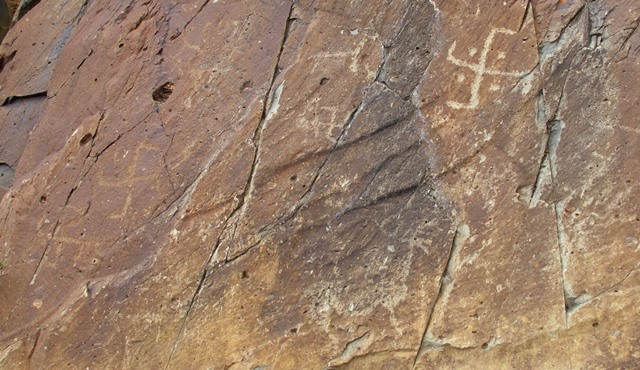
351, 349
429, 341
267, 107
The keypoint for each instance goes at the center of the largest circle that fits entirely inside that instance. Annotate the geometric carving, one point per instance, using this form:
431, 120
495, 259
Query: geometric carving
129, 181
480, 69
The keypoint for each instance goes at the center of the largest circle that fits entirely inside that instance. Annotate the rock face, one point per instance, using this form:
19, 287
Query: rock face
8, 8
320, 184
5, 19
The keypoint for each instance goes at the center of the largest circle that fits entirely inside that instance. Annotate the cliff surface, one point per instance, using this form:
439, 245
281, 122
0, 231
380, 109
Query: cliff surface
320, 184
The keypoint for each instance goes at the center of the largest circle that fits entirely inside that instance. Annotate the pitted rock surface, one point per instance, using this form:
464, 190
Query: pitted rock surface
320, 184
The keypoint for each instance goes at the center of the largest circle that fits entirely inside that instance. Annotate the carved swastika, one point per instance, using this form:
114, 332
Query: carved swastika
480, 69
131, 181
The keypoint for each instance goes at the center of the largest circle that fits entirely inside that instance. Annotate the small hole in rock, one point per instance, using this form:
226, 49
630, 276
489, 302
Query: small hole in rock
294, 330
324, 80
43, 199
85, 139
162, 93
293, 178
485, 345
595, 324
245, 275
246, 85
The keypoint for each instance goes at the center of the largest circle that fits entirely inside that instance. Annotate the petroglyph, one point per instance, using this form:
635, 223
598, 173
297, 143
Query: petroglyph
480, 69
131, 180
353, 54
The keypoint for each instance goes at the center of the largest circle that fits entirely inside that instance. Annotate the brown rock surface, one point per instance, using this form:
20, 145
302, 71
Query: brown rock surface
320, 184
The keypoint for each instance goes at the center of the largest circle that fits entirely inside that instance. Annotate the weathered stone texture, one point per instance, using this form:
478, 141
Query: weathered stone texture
320, 184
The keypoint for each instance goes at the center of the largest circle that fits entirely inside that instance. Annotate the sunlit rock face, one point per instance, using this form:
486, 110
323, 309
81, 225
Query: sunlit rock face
377, 184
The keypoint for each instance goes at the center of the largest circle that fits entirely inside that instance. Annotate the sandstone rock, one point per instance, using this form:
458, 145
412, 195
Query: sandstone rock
306, 184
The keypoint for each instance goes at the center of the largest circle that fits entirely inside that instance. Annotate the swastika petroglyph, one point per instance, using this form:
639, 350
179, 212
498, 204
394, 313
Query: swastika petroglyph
130, 181
480, 69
